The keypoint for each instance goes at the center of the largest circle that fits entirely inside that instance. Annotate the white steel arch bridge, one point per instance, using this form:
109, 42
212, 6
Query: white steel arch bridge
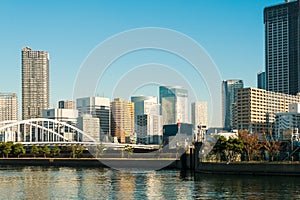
42, 131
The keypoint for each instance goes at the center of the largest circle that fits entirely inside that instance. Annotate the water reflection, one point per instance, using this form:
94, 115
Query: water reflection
247, 187
86, 183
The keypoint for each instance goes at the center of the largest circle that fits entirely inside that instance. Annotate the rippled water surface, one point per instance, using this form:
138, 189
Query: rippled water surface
87, 183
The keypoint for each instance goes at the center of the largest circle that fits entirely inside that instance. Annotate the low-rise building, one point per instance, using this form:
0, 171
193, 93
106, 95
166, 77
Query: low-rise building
64, 115
287, 124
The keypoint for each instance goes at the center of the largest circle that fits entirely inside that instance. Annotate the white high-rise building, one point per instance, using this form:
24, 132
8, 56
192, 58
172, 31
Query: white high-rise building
98, 107
199, 113
174, 104
89, 125
147, 119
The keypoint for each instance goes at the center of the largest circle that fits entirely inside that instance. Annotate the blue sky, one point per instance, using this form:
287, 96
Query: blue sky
232, 32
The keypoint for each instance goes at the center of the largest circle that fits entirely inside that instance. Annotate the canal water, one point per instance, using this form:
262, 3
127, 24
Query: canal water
90, 183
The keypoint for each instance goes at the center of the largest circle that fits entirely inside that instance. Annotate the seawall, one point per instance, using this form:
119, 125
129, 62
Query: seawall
94, 162
253, 168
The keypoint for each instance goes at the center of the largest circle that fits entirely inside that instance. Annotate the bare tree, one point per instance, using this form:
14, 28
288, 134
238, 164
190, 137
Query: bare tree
271, 146
252, 146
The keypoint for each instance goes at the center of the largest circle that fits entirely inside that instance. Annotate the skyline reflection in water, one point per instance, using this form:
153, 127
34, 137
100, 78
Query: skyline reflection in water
92, 183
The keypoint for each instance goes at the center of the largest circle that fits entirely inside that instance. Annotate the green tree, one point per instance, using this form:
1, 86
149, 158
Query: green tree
234, 147
100, 150
220, 148
45, 151
79, 151
18, 149
34, 150
129, 150
2, 144
55, 151
229, 149
76, 151
7, 148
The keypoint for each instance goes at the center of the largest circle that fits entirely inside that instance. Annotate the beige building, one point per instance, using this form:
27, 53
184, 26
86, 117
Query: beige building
65, 104
8, 106
89, 125
199, 114
255, 108
122, 120
35, 83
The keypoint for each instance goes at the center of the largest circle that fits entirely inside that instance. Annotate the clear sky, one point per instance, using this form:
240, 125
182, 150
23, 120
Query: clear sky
232, 32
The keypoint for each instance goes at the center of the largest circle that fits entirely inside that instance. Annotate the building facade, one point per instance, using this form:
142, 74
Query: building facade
261, 80
174, 104
98, 107
90, 125
228, 101
65, 104
256, 108
122, 120
8, 106
286, 126
35, 83
183, 131
68, 116
64, 115
282, 47
147, 119
199, 114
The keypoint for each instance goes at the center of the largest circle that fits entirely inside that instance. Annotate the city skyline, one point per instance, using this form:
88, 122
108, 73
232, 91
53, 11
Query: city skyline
65, 59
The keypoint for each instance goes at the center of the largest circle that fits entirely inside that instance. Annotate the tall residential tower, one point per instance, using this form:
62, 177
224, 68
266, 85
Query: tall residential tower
35, 83
282, 37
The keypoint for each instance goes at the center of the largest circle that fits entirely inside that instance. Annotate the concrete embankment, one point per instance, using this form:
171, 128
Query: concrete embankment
254, 168
93, 162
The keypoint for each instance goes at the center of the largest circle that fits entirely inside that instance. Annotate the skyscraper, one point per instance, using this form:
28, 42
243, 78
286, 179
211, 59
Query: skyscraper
282, 48
199, 113
35, 83
174, 104
228, 100
261, 80
8, 106
147, 119
122, 120
98, 107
